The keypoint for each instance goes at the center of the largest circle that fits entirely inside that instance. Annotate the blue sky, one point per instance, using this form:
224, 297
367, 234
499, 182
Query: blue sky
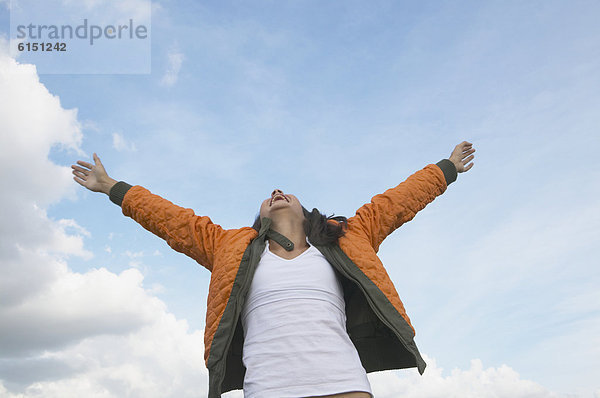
334, 102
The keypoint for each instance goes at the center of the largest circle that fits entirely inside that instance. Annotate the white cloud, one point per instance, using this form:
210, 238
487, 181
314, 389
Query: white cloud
29, 239
76, 306
161, 359
156, 288
475, 382
121, 144
64, 333
143, 363
29, 110
174, 61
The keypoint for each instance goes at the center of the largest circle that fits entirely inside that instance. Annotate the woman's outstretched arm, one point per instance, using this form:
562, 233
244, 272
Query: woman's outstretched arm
396, 206
195, 236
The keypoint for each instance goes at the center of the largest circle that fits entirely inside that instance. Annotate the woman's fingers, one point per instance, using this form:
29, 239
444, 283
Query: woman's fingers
462, 154
80, 169
468, 159
467, 153
79, 181
97, 159
85, 164
463, 147
80, 175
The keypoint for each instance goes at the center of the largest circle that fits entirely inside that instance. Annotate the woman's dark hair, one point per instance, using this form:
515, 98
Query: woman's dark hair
317, 227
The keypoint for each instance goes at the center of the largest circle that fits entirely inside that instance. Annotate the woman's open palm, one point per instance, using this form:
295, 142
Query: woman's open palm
92, 176
461, 155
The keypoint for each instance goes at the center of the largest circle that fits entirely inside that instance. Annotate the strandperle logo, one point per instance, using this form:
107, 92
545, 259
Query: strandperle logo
85, 31
82, 37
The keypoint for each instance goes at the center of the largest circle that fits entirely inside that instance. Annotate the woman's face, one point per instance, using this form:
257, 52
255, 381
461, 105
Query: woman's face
281, 205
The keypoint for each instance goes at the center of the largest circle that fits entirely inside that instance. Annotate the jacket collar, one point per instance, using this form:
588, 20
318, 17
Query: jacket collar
267, 233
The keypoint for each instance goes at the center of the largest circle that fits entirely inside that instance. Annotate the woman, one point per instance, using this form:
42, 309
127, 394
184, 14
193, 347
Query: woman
299, 305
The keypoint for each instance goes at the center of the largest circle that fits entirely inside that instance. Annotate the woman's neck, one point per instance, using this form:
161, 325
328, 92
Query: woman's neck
294, 231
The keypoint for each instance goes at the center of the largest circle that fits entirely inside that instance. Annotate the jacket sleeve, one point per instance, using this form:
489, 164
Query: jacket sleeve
389, 210
187, 233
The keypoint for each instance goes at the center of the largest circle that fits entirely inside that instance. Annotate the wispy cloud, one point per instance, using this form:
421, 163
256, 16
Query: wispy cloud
174, 61
121, 144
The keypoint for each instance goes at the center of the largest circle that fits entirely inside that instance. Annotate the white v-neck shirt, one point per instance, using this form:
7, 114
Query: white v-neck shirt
295, 339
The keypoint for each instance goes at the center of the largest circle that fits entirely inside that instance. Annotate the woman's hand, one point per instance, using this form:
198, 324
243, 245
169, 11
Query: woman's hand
93, 176
459, 156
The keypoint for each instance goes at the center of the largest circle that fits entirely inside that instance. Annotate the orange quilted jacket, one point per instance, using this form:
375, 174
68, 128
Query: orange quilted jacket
376, 320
